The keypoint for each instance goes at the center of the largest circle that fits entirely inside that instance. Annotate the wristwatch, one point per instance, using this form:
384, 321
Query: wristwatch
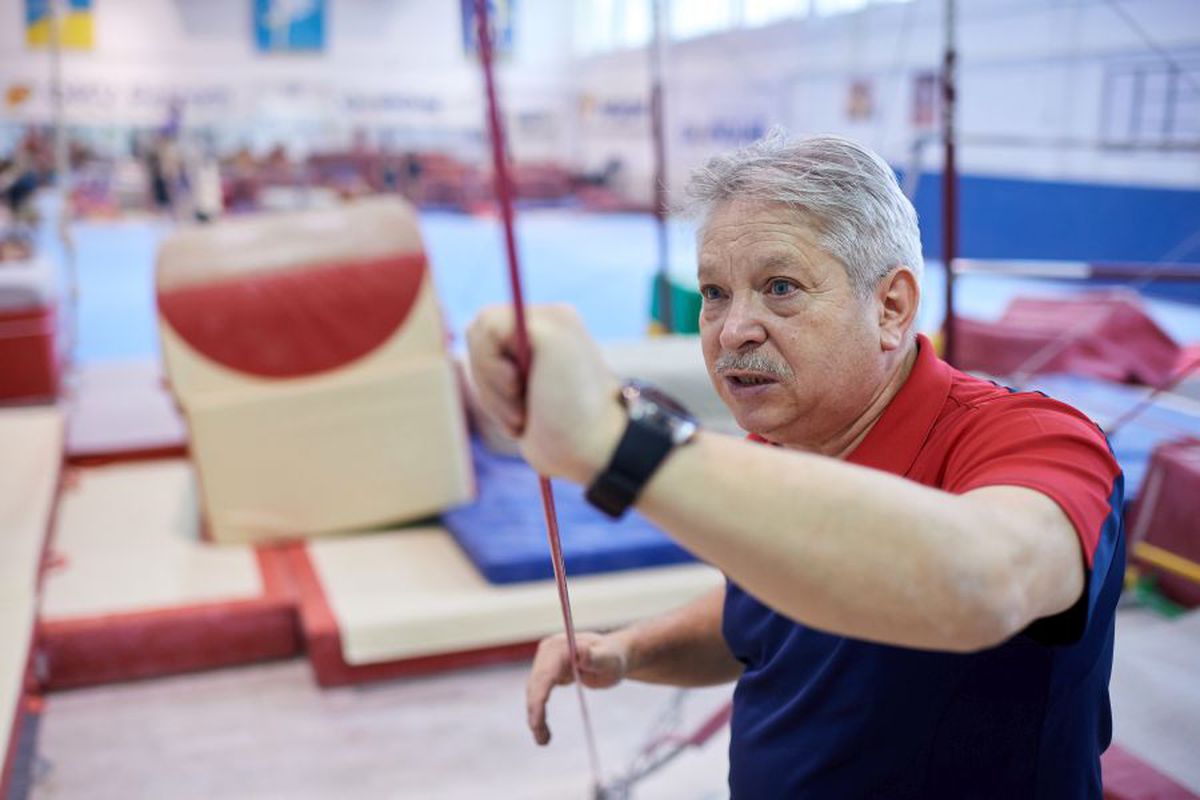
657, 425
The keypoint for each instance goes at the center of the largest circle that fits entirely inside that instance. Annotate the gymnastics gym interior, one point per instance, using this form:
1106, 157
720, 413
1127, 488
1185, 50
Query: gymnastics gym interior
257, 539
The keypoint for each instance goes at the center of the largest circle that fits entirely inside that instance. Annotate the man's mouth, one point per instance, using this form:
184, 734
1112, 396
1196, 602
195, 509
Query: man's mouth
750, 380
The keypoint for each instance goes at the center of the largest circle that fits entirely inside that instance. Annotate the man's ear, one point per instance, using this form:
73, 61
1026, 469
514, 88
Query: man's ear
897, 296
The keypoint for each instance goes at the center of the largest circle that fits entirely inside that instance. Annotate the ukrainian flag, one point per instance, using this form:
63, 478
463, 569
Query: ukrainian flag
75, 25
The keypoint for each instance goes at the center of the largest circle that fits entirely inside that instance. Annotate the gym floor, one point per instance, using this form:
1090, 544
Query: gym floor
268, 731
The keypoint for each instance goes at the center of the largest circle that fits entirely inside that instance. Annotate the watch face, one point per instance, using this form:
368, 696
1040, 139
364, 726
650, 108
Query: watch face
650, 405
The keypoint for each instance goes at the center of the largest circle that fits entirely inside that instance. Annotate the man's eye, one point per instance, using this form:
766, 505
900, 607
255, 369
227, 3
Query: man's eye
710, 292
780, 287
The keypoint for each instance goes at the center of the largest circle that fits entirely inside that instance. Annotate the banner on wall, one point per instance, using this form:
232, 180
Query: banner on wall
500, 16
289, 26
75, 27
860, 100
925, 100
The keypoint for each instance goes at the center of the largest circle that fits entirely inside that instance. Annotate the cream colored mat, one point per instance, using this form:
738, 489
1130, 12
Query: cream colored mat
16, 633
31, 446
128, 539
409, 593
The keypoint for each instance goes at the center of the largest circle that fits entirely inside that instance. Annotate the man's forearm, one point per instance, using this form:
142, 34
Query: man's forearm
684, 647
838, 547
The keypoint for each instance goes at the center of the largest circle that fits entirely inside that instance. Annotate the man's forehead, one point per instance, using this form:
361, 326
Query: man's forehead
756, 244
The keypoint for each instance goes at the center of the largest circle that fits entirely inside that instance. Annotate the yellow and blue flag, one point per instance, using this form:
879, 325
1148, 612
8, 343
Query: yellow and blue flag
75, 25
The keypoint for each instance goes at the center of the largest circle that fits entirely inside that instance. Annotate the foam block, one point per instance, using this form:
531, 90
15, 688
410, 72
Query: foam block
28, 330
307, 351
121, 410
407, 601
503, 532
1167, 515
288, 460
30, 462
137, 593
1104, 335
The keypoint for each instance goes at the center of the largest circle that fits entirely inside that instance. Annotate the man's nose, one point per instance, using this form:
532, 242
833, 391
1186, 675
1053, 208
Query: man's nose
742, 325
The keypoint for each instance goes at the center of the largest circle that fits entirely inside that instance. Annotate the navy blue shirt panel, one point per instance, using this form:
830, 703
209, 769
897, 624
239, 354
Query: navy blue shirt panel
823, 716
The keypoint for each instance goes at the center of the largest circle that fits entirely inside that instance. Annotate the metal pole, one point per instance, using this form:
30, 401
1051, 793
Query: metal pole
949, 180
658, 133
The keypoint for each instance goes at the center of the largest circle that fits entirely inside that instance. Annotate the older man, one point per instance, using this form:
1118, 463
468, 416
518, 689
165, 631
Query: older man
922, 567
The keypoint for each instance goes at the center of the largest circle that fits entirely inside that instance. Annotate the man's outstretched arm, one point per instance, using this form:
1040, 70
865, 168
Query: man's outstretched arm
835, 546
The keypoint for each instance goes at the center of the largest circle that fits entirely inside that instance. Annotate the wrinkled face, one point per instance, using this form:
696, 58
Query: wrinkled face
792, 349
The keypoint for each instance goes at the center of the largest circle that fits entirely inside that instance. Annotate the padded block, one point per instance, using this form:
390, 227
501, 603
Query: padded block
503, 532
121, 410
371, 448
405, 601
30, 463
29, 354
137, 593
1106, 335
308, 353
1167, 514
28, 330
1170, 417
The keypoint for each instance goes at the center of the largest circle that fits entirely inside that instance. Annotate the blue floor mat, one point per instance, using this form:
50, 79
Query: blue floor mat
1105, 402
503, 532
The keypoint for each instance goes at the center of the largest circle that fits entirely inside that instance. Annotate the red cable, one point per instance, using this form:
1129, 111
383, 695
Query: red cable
523, 358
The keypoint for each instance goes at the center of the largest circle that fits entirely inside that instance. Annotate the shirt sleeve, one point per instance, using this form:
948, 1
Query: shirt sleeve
1031, 441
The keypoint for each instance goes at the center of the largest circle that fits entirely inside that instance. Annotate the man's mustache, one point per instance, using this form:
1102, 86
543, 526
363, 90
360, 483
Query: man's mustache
753, 361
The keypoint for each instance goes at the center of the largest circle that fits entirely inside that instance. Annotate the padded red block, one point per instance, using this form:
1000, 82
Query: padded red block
1166, 513
150, 644
1102, 334
28, 355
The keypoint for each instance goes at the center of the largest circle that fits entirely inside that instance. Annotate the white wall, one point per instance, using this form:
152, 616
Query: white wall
1032, 70
395, 64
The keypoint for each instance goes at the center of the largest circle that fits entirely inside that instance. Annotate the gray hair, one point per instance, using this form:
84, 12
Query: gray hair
846, 192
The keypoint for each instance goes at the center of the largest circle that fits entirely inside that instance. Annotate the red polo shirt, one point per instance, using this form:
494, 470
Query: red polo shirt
817, 715
949, 430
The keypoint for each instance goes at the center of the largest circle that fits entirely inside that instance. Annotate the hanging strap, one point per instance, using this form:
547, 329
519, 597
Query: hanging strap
523, 356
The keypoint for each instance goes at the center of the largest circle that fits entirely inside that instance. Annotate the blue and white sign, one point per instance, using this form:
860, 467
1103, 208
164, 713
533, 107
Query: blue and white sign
500, 17
289, 26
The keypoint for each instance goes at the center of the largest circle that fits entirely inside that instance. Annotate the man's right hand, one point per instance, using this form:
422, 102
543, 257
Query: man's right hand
603, 662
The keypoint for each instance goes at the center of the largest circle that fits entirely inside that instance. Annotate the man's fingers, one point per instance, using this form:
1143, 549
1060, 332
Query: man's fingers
508, 414
549, 670
500, 375
493, 371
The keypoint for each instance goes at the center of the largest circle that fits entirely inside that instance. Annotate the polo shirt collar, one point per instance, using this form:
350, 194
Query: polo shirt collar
897, 436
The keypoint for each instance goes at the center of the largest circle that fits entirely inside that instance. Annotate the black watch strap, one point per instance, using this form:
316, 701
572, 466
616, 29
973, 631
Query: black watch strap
641, 449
